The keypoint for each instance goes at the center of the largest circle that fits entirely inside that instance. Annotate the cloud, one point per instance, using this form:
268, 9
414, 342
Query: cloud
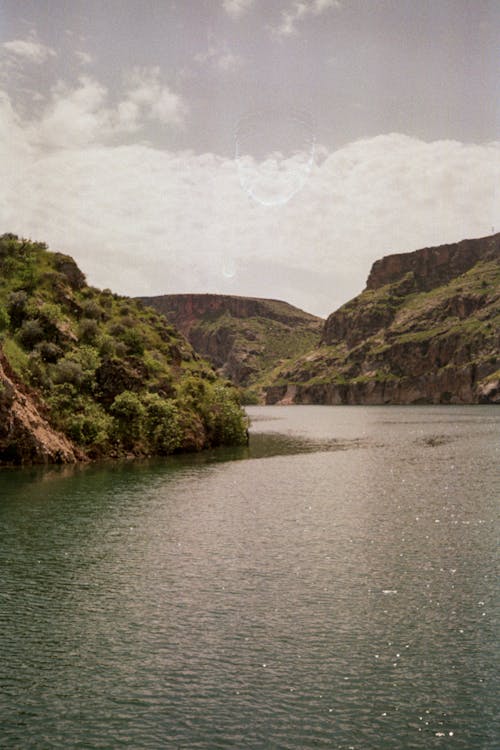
75, 117
220, 57
156, 100
84, 58
299, 10
236, 8
148, 221
29, 50
80, 115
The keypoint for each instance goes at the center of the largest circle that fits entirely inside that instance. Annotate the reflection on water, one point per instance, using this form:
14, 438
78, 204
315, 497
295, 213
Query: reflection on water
340, 593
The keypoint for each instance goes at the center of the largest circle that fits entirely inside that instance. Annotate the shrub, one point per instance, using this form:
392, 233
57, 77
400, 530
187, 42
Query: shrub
91, 428
192, 392
117, 330
4, 319
225, 421
64, 397
37, 372
128, 412
88, 330
134, 341
48, 351
83, 420
16, 308
161, 424
68, 371
106, 346
250, 397
51, 315
30, 333
92, 309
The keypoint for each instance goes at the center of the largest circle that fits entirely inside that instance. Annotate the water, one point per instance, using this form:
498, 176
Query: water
332, 586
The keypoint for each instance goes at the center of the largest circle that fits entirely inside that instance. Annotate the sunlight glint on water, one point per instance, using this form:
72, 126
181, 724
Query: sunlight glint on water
335, 589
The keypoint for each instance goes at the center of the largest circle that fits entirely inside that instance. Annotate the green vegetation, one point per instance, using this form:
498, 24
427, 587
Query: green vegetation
395, 332
112, 375
243, 337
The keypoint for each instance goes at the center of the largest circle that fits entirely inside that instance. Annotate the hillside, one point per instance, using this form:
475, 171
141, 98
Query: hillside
242, 337
425, 330
86, 373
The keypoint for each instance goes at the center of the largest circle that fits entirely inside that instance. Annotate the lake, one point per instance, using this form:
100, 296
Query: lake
333, 585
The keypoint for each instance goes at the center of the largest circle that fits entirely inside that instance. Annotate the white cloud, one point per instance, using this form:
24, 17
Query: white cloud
236, 8
29, 50
84, 58
75, 117
299, 10
81, 115
145, 221
156, 100
220, 57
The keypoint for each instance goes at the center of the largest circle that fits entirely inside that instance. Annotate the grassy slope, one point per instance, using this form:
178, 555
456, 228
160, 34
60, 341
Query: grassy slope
259, 343
112, 375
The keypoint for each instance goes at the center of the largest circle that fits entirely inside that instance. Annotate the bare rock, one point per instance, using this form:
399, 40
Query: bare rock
26, 437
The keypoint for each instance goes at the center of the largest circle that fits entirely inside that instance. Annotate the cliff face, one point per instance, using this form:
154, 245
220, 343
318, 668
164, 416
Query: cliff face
25, 435
241, 336
432, 266
425, 330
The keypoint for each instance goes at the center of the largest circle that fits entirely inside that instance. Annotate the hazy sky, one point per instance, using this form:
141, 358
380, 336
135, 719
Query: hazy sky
259, 147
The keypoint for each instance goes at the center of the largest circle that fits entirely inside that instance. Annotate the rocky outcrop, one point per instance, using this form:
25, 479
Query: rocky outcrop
25, 435
185, 310
242, 337
425, 330
433, 266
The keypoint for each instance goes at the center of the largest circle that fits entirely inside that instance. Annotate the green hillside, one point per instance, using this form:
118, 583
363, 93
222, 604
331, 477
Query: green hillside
109, 374
429, 335
243, 337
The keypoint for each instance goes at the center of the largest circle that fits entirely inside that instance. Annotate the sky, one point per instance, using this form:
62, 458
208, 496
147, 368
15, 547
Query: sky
269, 148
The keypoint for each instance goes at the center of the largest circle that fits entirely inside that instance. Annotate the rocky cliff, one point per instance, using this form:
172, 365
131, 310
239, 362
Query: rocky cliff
241, 336
26, 437
425, 330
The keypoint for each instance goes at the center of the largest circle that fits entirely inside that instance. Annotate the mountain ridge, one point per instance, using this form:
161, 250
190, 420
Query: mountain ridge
426, 329
241, 336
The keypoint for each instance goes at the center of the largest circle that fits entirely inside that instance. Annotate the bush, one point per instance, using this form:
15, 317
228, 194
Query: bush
84, 421
16, 307
134, 341
107, 346
68, 371
37, 372
88, 330
92, 309
4, 319
48, 351
128, 412
64, 397
250, 397
225, 420
30, 333
117, 330
161, 424
90, 429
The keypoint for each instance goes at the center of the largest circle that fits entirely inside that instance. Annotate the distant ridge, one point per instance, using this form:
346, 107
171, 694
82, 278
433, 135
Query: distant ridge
241, 336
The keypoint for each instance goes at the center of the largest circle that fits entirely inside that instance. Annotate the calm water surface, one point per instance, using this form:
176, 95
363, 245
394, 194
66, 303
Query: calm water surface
332, 586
